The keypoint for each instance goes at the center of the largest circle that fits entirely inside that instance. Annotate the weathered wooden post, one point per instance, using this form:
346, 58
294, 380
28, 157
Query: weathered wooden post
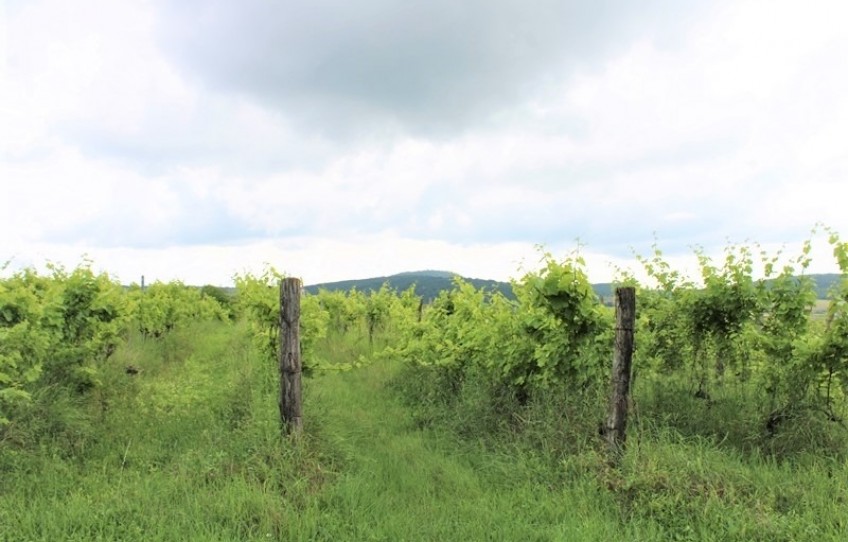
291, 399
615, 430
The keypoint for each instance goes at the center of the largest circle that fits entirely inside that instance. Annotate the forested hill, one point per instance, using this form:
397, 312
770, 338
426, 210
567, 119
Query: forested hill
824, 282
428, 284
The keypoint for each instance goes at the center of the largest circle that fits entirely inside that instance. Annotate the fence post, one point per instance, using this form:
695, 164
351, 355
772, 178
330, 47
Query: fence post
615, 430
291, 399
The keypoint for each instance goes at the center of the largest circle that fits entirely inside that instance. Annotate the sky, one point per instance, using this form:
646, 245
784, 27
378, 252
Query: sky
333, 140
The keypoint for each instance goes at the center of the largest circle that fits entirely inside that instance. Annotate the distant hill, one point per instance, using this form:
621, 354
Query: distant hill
428, 273
824, 282
429, 283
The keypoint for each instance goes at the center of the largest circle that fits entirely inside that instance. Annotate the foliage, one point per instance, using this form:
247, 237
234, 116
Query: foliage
159, 308
344, 309
830, 358
740, 333
56, 330
258, 301
426, 284
760, 329
86, 316
24, 342
552, 334
566, 322
222, 296
376, 317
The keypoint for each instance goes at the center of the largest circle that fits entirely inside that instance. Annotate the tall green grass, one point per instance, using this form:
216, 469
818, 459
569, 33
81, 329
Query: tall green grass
403, 482
693, 469
190, 448
187, 449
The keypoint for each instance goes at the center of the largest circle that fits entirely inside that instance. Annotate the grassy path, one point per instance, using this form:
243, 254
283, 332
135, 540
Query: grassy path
400, 483
190, 450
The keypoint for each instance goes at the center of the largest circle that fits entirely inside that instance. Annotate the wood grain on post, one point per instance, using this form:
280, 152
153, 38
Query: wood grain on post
615, 430
291, 399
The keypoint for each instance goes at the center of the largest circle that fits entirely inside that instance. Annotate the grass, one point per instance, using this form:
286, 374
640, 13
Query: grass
190, 449
185, 450
692, 490
405, 483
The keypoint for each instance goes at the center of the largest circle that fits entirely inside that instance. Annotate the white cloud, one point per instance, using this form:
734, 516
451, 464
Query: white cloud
731, 127
89, 62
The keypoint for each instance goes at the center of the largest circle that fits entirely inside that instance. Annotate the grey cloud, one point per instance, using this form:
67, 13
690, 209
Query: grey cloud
434, 67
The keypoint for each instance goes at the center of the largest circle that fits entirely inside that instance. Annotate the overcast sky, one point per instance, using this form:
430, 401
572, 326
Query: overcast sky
333, 139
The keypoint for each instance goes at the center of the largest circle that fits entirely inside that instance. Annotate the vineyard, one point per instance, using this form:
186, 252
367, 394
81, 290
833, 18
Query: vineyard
122, 405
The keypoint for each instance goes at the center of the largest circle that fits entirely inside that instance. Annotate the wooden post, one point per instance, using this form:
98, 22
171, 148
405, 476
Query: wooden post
615, 430
291, 399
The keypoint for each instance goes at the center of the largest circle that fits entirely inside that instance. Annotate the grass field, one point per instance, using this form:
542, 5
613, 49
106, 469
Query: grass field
190, 449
